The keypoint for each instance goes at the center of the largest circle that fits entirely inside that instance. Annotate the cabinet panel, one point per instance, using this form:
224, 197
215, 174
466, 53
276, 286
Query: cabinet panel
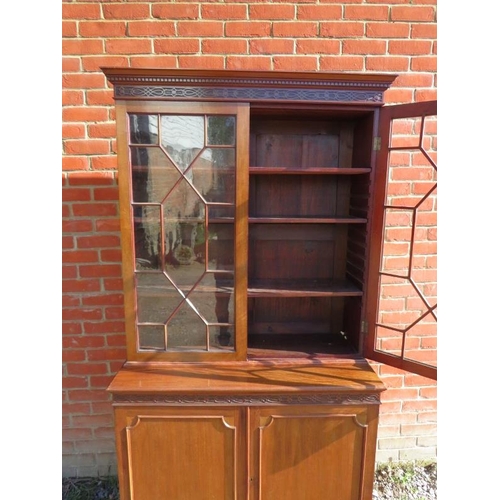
307, 453
184, 454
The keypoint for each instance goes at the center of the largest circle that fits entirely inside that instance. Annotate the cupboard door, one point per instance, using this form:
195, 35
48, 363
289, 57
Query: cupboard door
183, 172
306, 453
184, 454
401, 308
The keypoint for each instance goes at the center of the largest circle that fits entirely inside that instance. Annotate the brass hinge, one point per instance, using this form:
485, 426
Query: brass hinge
377, 142
364, 327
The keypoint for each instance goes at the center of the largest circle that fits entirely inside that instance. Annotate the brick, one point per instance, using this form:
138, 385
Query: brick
418, 454
413, 13
111, 255
76, 408
70, 64
248, 29
87, 395
410, 47
405, 394
100, 382
175, 11
91, 179
419, 406
397, 443
69, 29
114, 313
72, 355
387, 30
398, 418
76, 194
295, 29
153, 62
295, 63
73, 131
70, 301
79, 256
318, 47
319, 12
102, 130
83, 81
177, 46
101, 270
69, 272
101, 29
84, 114
367, 12
128, 46
104, 162
92, 420
105, 354
116, 340
82, 341
427, 416
125, 11
101, 194
151, 28
394, 96
74, 382
80, 46
94, 209
224, 12
271, 46
101, 241
342, 63
428, 392
71, 328
272, 11
70, 434
224, 46
201, 62
74, 163
95, 63
87, 368
424, 30
105, 300
249, 63
103, 327
341, 29
87, 146
413, 80
363, 47
425, 95
108, 225
81, 11
200, 28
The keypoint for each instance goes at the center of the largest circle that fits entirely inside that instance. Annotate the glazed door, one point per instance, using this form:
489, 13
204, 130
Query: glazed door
401, 308
183, 171
307, 453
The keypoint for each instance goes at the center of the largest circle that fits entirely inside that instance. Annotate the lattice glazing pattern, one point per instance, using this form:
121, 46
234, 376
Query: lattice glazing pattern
183, 197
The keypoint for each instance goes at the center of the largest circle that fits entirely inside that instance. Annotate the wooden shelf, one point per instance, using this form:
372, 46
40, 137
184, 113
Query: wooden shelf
307, 220
307, 171
270, 289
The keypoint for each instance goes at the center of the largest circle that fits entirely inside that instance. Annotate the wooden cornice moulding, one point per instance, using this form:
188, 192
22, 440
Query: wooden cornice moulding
248, 86
257, 400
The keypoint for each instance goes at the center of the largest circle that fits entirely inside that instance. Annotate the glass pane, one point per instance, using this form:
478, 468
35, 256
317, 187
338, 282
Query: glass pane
221, 337
147, 237
221, 130
157, 298
153, 174
405, 132
213, 298
220, 247
397, 241
186, 330
152, 337
143, 129
213, 175
183, 137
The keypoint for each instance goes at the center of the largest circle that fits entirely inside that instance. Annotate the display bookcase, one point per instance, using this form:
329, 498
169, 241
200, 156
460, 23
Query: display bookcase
251, 263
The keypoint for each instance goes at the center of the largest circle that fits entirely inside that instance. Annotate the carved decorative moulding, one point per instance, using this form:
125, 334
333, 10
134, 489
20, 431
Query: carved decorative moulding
152, 84
257, 400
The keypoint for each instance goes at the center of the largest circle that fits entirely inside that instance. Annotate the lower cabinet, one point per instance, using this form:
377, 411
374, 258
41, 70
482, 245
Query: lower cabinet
242, 452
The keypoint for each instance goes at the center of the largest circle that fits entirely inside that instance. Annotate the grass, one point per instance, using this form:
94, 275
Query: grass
393, 481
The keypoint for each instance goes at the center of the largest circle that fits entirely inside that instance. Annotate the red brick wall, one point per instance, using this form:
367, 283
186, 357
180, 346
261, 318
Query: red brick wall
394, 36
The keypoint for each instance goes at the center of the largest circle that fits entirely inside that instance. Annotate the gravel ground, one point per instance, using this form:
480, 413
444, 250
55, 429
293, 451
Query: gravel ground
404, 481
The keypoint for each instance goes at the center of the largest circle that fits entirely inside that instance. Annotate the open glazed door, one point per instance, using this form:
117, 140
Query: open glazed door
401, 308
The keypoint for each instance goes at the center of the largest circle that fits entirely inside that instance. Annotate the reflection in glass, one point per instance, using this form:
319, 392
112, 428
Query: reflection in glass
186, 329
143, 129
157, 298
153, 174
213, 175
152, 337
147, 237
183, 137
221, 336
221, 130
221, 247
